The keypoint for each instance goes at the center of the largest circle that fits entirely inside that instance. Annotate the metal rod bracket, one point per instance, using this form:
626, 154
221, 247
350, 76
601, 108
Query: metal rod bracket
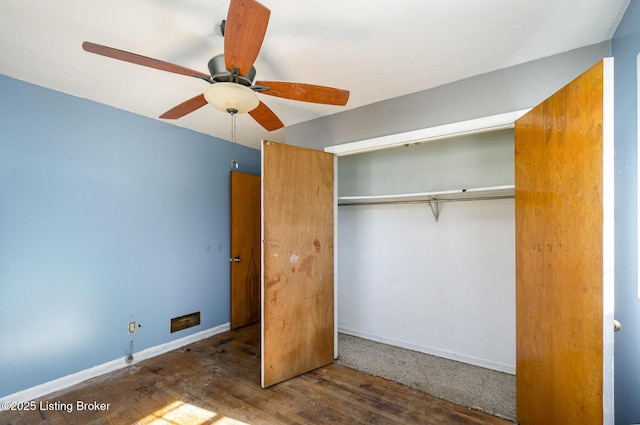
435, 209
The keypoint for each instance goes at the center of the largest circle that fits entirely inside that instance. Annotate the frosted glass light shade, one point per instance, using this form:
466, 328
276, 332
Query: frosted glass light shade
229, 97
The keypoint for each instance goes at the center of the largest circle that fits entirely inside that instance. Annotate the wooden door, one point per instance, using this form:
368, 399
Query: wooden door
245, 249
297, 289
564, 255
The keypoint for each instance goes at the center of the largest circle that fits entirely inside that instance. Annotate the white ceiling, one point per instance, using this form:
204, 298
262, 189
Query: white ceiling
377, 50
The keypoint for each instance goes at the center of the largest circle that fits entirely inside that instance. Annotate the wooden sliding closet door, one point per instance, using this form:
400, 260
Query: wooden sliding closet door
298, 278
564, 255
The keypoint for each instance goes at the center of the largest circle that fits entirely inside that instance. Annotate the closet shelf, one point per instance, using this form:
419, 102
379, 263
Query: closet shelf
433, 198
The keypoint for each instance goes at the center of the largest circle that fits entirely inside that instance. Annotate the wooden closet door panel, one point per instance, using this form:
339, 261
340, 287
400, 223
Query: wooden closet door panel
564, 255
298, 277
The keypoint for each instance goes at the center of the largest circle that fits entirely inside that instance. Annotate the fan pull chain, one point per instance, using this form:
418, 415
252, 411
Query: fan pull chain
234, 160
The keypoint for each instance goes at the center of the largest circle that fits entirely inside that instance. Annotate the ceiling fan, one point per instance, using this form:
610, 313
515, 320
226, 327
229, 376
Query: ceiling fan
231, 74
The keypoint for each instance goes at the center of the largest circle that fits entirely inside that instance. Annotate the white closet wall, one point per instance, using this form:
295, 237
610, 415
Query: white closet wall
447, 287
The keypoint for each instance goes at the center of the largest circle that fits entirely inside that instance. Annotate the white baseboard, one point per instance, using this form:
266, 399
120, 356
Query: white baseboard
78, 377
488, 364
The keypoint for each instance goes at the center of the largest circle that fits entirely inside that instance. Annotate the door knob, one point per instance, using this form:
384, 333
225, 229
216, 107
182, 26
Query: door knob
616, 326
235, 259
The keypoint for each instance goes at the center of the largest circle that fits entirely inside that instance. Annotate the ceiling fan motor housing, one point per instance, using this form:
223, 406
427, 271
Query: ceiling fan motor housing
220, 74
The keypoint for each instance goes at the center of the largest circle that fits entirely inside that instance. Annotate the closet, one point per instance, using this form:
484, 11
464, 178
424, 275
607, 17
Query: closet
426, 247
433, 287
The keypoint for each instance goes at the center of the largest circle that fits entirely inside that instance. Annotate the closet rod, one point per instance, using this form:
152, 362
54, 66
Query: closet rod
426, 201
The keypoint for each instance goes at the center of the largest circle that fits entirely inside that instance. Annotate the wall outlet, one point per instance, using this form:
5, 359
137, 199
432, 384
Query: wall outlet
132, 327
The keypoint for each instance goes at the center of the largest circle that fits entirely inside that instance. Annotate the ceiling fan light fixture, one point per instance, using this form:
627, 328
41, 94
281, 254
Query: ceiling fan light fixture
231, 97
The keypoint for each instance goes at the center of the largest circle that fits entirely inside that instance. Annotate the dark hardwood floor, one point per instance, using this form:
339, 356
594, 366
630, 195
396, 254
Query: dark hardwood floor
217, 381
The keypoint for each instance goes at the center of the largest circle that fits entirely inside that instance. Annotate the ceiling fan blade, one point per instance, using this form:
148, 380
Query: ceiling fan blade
185, 108
110, 52
266, 118
246, 26
305, 92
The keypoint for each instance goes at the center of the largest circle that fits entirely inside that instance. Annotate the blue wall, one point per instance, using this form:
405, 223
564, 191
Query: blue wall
625, 47
105, 217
